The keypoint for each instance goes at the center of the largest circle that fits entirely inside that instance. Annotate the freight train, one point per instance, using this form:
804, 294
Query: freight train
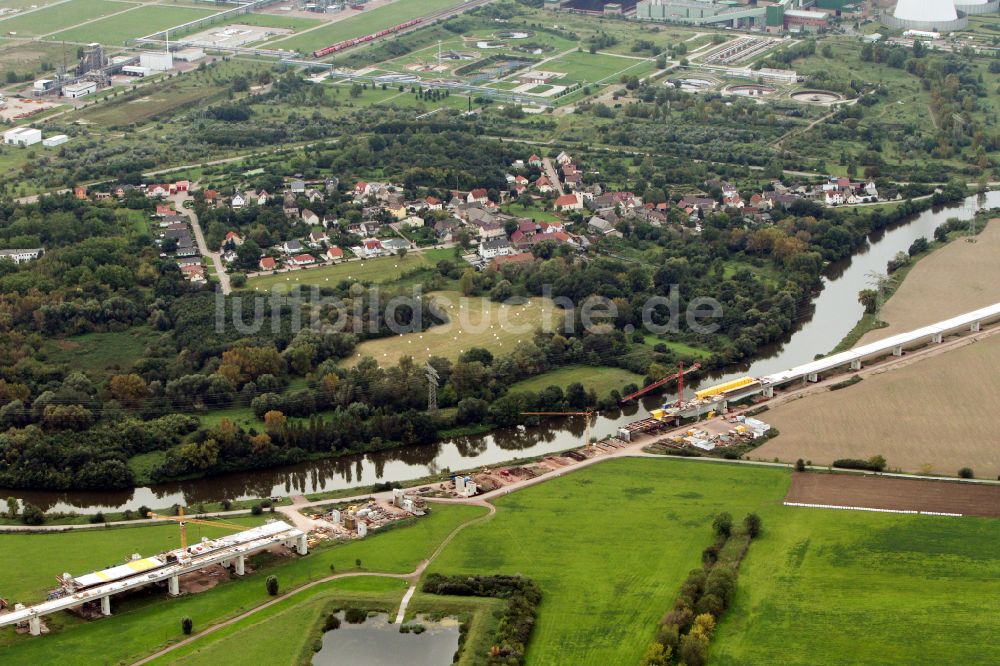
347, 43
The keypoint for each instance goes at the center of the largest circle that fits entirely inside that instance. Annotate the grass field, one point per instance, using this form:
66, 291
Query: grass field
610, 545
147, 20
61, 16
916, 416
143, 624
99, 353
364, 23
473, 322
378, 271
597, 67
952, 280
602, 379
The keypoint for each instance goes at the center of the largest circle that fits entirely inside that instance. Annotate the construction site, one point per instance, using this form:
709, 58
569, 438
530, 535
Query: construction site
190, 569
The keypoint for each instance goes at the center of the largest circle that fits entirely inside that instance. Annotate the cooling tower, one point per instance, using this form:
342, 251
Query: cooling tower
931, 15
977, 6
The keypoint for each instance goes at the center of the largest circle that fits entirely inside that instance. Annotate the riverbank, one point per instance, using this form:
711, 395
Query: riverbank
954, 288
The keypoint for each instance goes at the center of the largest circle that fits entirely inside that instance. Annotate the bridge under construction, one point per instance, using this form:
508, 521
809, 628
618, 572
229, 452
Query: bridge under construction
99, 586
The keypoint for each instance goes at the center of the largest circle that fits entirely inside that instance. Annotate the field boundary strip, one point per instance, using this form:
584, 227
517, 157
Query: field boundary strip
867, 508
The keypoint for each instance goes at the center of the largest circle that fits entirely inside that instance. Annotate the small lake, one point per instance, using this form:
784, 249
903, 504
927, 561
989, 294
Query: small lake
376, 642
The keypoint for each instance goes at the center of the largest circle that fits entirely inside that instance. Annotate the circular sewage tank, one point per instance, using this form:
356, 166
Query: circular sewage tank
817, 97
750, 90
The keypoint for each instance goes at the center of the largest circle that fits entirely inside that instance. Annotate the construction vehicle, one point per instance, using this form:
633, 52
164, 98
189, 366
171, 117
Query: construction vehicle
183, 520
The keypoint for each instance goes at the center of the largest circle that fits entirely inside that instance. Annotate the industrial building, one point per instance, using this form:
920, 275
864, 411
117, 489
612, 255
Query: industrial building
56, 140
21, 256
157, 61
930, 15
194, 54
75, 90
767, 75
22, 136
135, 70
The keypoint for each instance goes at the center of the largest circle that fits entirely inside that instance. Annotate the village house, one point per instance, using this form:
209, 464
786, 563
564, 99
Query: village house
164, 209
433, 203
563, 158
291, 247
394, 245
309, 217
316, 238
301, 260
535, 161
333, 254
237, 202
568, 202
268, 264
543, 185
478, 195
194, 272
297, 186
496, 247
598, 225
291, 211
232, 238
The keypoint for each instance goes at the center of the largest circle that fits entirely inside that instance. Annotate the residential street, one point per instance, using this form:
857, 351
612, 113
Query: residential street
199, 238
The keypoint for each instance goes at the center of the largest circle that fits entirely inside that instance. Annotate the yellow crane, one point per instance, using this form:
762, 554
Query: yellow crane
183, 520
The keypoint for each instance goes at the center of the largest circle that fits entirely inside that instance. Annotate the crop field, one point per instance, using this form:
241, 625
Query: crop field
66, 14
144, 21
900, 494
602, 379
378, 271
473, 322
915, 416
143, 624
954, 279
364, 23
812, 579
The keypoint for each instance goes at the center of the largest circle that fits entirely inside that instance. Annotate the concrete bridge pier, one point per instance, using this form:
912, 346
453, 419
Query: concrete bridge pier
768, 391
897, 350
938, 338
976, 326
35, 626
174, 586
241, 565
856, 364
106, 605
301, 545
812, 377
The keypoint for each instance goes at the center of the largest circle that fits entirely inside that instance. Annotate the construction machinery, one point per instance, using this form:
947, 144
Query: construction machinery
679, 376
587, 414
183, 520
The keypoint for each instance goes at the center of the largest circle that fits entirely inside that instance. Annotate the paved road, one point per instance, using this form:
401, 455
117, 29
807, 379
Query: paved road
199, 237
550, 171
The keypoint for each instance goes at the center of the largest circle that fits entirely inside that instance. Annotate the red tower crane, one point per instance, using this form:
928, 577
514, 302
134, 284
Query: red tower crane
679, 376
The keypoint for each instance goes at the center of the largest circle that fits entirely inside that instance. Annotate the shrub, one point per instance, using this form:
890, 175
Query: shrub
723, 524
965, 473
854, 463
332, 622
800, 465
97, 518
355, 615
256, 509
693, 648
32, 515
272, 585
187, 625
752, 524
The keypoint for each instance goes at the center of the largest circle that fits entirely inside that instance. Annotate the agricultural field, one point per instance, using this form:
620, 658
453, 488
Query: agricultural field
606, 583
143, 21
952, 280
377, 271
363, 23
916, 416
61, 16
473, 322
144, 624
602, 379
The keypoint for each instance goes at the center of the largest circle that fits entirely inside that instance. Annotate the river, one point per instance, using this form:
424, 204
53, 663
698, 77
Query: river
834, 312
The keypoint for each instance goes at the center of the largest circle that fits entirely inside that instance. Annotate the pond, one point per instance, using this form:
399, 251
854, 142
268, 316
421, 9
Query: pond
377, 642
